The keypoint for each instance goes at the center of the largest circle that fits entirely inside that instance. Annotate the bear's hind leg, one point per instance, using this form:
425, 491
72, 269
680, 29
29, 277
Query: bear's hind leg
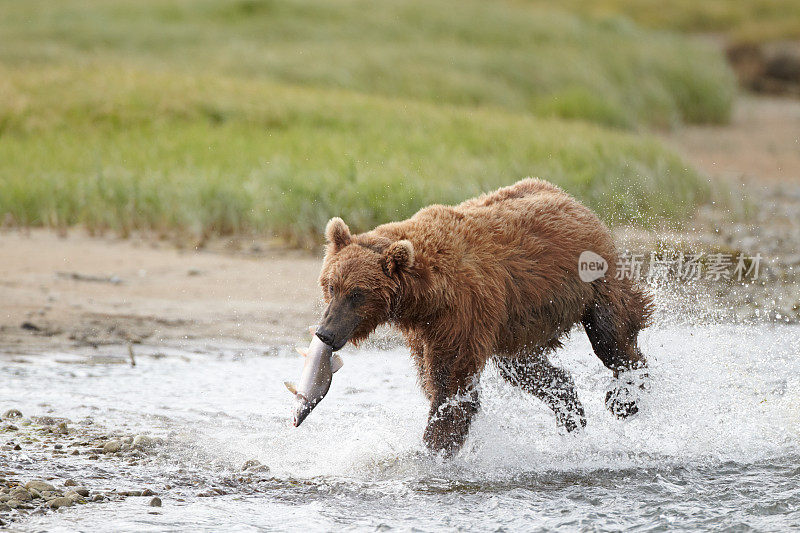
612, 326
554, 386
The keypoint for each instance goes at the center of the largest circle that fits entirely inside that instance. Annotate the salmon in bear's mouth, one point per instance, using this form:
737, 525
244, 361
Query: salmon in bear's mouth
315, 380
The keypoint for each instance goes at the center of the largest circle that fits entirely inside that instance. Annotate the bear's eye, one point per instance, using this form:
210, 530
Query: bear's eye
330, 290
356, 296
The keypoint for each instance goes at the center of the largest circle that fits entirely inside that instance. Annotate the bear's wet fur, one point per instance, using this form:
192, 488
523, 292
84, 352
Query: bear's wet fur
495, 277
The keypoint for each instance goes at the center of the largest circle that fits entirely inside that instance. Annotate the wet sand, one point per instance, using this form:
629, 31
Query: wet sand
76, 291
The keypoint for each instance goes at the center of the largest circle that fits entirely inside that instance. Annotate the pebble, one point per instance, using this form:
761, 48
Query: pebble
39, 486
60, 502
155, 502
147, 492
254, 465
112, 446
5, 508
12, 413
70, 483
83, 491
142, 441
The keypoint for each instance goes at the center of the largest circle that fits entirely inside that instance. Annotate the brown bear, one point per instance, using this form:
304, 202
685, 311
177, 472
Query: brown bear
495, 277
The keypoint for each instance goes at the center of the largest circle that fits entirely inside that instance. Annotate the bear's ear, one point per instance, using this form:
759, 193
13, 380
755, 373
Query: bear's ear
398, 257
337, 233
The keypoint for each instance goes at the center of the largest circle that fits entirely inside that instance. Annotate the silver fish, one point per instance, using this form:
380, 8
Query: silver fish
320, 364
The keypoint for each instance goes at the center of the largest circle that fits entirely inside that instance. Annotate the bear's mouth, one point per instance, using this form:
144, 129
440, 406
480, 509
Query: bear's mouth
339, 323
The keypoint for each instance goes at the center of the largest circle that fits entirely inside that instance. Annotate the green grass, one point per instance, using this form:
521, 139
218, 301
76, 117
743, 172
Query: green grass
740, 20
209, 117
125, 150
462, 52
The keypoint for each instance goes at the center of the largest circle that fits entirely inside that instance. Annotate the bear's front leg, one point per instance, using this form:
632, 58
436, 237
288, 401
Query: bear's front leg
449, 420
455, 399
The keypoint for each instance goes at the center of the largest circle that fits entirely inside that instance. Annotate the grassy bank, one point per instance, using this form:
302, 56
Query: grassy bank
125, 149
462, 52
216, 117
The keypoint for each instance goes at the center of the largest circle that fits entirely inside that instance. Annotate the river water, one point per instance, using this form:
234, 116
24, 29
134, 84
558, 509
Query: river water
715, 445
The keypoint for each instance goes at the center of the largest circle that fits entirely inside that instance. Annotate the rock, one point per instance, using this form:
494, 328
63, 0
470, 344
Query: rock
112, 446
72, 495
49, 495
131, 493
98, 498
127, 440
70, 483
20, 494
155, 502
5, 508
60, 502
140, 442
39, 486
83, 491
4, 497
254, 465
12, 413
148, 492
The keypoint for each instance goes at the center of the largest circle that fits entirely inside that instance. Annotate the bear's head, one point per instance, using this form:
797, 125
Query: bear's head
360, 280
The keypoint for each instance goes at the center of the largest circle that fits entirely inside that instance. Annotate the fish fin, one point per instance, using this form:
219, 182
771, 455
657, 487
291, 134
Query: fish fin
336, 363
301, 351
291, 387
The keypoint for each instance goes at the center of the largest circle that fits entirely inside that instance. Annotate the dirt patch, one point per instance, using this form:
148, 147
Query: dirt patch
129, 291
